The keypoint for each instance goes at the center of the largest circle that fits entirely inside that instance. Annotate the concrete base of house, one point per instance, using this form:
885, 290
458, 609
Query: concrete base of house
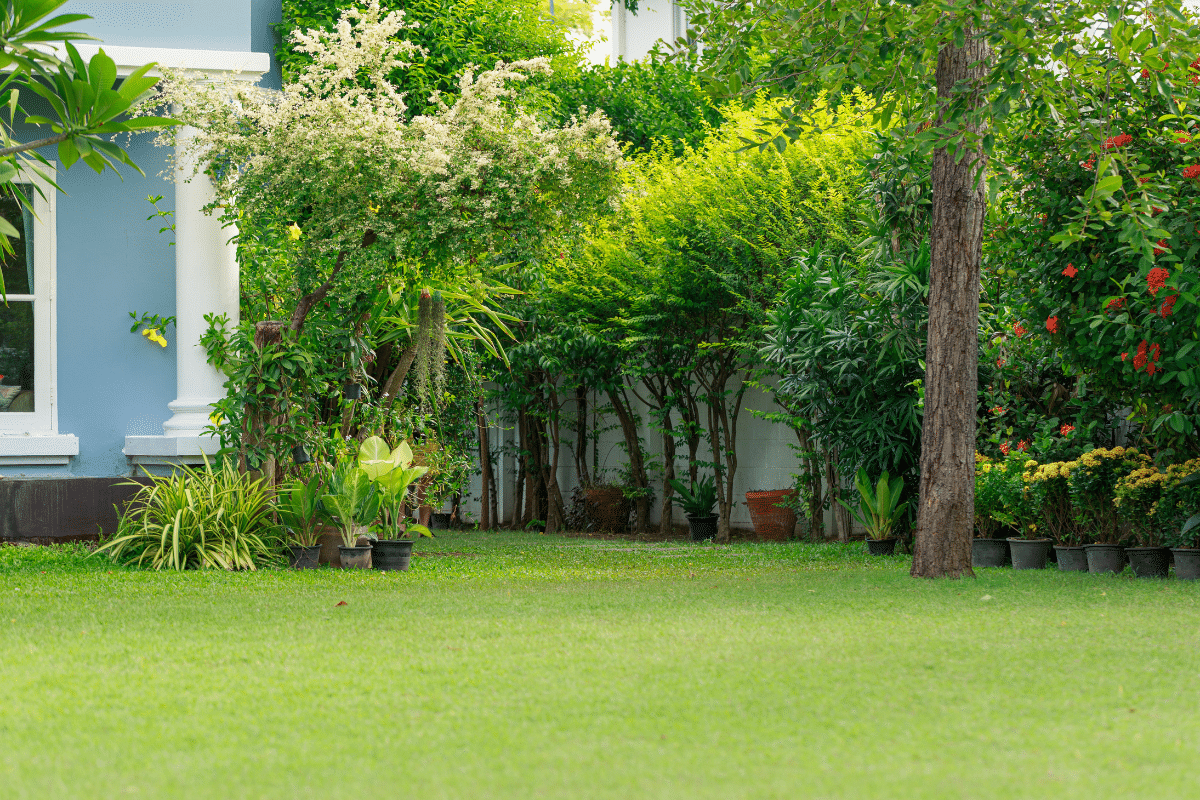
46, 510
159, 452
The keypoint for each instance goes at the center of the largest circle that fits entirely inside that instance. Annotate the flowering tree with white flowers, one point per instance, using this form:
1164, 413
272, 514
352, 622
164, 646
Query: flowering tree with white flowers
363, 199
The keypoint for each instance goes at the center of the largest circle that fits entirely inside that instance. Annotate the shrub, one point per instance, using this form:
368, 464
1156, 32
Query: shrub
1053, 493
197, 519
1092, 483
1154, 503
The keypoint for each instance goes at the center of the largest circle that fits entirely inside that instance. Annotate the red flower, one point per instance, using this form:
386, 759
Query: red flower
1000, 362
1004, 448
1018, 329
1116, 304
1144, 180
1090, 164
1168, 306
1139, 360
1160, 247
997, 410
1152, 368
1156, 279
1155, 211
1182, 137
1145, 73
1070, 271
1023, 445
1052, 324
1155, 352
1065, 430
1120, 140
1192, 172
1124, 355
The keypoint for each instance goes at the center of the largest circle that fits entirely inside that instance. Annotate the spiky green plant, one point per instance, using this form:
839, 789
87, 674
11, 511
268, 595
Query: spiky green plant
197, 519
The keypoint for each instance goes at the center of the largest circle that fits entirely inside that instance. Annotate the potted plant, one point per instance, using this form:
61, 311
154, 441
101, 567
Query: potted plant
1092, 484
1058, 518
698, 503
392, 472
606, 505
1181, 509
988, 549
772, 517
1137, 498
299, 505
1024, 496
351, 502
878, 509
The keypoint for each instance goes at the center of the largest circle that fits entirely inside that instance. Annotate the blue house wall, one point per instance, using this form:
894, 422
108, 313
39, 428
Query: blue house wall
111, 260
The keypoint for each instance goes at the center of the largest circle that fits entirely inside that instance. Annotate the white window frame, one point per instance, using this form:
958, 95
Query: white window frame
32, 437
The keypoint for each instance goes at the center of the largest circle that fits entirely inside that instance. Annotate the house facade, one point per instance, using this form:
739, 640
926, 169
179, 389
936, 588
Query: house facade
83, 401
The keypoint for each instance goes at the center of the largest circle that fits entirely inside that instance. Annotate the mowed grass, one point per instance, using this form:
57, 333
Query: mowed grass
516, 665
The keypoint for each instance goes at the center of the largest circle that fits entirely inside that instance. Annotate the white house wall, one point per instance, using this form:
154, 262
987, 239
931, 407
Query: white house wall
634, 34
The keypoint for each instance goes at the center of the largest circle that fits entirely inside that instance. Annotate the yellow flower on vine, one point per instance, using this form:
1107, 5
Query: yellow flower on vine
153, 335
374, 209
294, 233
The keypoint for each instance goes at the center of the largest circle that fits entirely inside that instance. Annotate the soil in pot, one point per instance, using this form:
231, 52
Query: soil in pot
1071, 559
881, 547
1029, 553
772, 522
989, 552
1187, 563
355, 557
1105, 558
702, 527
392, 554
1149, 562
304, 557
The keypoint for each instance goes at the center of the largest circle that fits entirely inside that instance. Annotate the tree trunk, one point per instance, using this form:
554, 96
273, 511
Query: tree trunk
637, 466
946, 505
581, 467
664, 526
485, 469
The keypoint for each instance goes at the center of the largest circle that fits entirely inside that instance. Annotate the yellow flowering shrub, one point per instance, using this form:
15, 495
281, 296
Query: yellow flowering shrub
1092, 484
1055, 501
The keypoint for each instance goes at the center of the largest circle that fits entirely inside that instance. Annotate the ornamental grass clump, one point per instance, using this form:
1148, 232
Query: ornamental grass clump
198, 519
1092, 484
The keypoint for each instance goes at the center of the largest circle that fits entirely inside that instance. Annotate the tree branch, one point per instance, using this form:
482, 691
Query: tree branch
21, 148
309, 300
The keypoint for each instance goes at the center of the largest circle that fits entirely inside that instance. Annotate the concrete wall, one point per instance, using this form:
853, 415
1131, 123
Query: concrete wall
184, 24
766, 460
634, 33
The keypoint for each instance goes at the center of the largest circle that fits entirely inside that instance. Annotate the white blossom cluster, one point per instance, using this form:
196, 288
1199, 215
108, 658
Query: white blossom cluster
336, 155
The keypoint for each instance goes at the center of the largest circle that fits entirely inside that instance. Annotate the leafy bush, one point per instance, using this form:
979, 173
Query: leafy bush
1092, 483
1150, 502
197, 519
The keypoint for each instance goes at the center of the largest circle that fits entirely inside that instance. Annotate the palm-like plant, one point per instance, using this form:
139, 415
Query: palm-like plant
878, 508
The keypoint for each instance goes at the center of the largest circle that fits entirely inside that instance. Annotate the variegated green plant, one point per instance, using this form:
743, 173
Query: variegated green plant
392, 472
197, 519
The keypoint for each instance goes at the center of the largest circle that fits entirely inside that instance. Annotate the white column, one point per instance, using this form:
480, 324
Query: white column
206, 282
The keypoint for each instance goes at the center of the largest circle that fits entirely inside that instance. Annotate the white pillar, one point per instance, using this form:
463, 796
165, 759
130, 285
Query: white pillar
206, 282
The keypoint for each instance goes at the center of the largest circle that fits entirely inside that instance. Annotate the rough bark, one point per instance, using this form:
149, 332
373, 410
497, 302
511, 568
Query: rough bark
581, 467
637, 464
665, 527
396, 379
946, 503
485, 469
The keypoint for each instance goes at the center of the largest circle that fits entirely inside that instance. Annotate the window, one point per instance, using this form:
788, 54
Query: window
27, 379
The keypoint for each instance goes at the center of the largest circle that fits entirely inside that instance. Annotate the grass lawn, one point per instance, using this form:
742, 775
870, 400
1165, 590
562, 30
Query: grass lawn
516, 665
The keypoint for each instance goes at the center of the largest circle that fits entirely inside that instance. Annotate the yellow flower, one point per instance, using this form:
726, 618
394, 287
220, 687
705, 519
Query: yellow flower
215, 418
153, 335
294, 233
374, 209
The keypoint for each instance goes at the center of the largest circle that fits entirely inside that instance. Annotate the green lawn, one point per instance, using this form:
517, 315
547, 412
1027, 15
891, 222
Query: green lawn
517, 665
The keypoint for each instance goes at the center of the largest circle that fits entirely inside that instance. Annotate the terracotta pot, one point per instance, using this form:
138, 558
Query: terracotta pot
608, 508
772, 522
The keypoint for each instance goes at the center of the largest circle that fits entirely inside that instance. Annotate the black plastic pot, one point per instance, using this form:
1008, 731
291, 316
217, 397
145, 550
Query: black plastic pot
1105, 558
303, 557
702, 527
1029, 553
1149, 562
351, 391
392, 554
989, 552
881, 547
1071, 559
300, 455
439, 521
1187, 563
355, 557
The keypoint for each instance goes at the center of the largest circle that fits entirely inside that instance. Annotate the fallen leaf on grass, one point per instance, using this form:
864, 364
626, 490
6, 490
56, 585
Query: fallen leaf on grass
341, 603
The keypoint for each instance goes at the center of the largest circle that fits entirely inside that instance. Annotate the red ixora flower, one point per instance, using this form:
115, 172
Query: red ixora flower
1192, 172
1151, 368
1000, 362
997, 410
1139, 360
1168, 306
1052, 324
1070, 271
1145, 73
1018, 329
1004, 448
1090, 164
1125, 355
1116, 304
1120, 140
1160, 247
1065, 430
1156, 210
1155, 352
1023, 445
1156, 279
